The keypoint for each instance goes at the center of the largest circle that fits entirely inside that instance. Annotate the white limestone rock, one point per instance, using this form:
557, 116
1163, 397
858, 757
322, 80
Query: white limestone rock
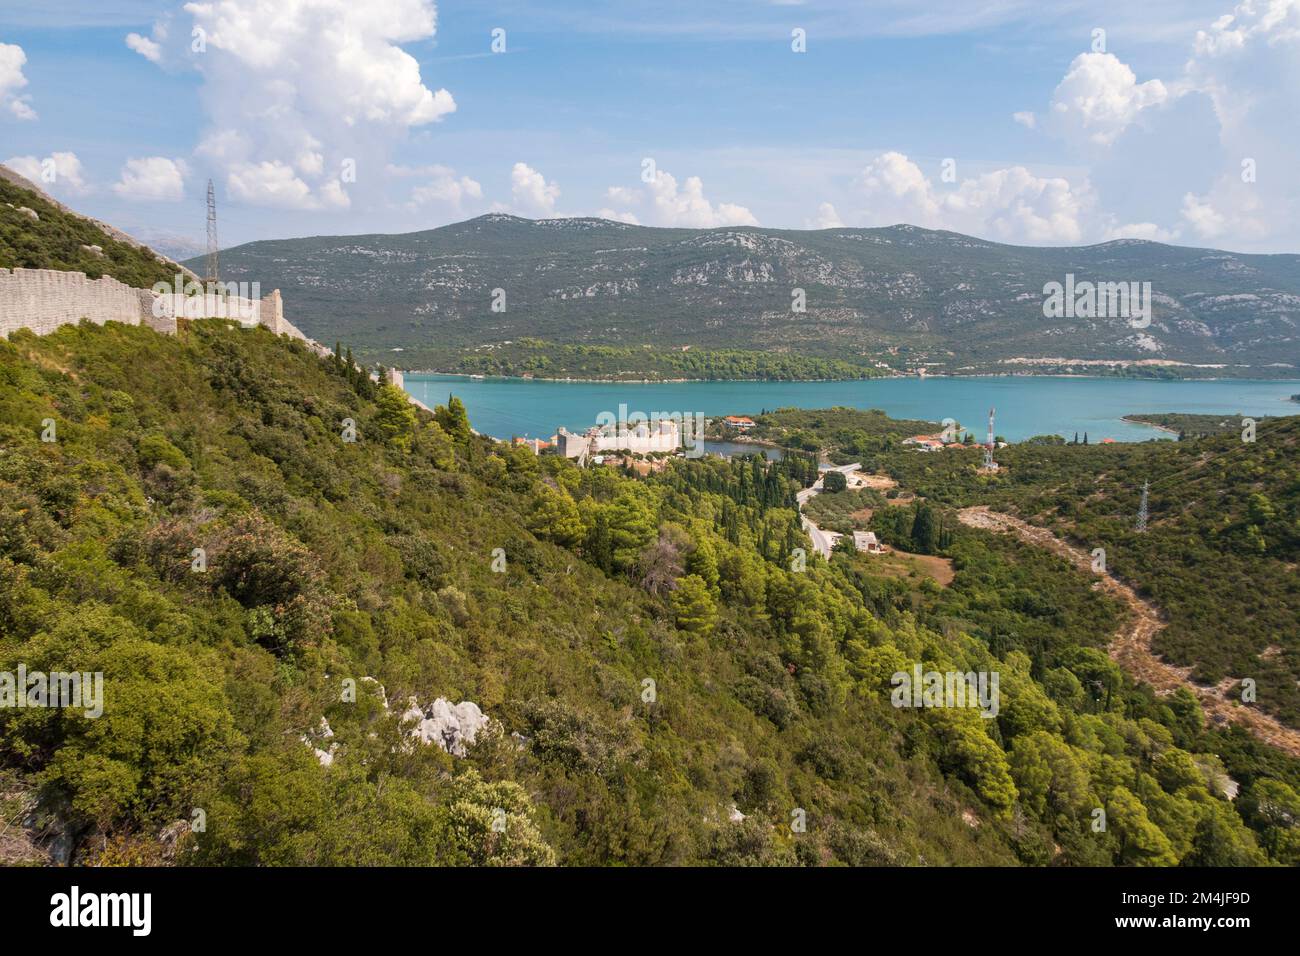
452, 727
322, 732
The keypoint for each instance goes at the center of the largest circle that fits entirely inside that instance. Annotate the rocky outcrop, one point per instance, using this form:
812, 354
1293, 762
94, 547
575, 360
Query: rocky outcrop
452, 727
320, 735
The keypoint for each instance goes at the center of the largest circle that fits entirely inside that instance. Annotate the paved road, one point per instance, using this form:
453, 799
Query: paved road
822, 541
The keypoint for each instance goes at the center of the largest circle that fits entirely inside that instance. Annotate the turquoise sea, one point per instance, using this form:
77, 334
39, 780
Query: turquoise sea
1026, 405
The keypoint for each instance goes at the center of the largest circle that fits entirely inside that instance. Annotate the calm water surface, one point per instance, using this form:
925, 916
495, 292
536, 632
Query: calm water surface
504, 407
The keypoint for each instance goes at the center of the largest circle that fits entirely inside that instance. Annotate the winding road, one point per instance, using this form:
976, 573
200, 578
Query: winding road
1131, 645
823, 541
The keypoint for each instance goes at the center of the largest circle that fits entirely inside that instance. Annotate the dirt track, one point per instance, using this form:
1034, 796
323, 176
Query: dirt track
1131, 645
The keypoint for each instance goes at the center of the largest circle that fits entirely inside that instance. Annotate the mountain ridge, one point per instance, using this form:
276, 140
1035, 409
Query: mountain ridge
902, 295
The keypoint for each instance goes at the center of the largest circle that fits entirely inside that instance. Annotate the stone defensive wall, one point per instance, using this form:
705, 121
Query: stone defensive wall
44, 299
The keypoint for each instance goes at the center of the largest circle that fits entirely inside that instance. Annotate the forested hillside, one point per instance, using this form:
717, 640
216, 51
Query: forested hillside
669, 677
1220, 551
37, 233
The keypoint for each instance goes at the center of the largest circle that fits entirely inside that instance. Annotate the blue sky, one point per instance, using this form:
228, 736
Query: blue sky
1013, 121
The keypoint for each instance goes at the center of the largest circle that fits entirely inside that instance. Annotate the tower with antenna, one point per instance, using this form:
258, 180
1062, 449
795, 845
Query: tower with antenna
212, 265
989, 463
1142, 508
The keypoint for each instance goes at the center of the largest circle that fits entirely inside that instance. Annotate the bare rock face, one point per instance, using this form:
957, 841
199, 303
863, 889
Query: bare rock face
169, 838
452, 727
322, 733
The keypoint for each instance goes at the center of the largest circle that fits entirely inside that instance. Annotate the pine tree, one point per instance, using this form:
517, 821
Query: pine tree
454, 419
923, 534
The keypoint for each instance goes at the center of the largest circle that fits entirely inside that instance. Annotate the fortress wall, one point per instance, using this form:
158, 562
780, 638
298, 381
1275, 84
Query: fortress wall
44, 299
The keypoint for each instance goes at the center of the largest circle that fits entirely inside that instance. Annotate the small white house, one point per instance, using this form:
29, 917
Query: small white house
867, 542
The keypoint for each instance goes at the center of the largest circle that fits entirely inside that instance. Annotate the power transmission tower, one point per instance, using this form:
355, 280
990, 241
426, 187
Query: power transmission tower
1142, 508
989, 463
212, 267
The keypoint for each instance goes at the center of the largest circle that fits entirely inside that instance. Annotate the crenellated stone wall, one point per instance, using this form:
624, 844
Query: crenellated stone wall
44, 299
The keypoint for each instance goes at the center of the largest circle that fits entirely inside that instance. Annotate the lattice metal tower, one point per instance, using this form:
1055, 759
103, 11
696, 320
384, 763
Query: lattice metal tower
988, 449
1142, 508
212, 265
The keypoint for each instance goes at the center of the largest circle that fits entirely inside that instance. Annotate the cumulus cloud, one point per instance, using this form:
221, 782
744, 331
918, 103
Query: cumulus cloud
440, 185
1026, 118
12, 80
58, 172
273, 183
687, 205
314, 88
1245, 63
674, 205
1212, 148
1011, 204
622, 196
898, 191
616, 216
1100, 96
531, 192
1238, 210
1140, 230
151, 50
153, 178
826, 218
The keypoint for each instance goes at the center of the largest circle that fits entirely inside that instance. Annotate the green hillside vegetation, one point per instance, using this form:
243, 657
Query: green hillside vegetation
844, 434
57, 239
835, 512
1219, 556
1195, 426
550, 360
329, 561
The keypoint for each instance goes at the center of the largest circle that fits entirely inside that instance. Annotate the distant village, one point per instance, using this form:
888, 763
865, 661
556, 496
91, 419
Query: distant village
662, 436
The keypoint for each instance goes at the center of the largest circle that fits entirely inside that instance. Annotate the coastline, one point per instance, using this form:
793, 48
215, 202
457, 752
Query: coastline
1137, 421
869, 378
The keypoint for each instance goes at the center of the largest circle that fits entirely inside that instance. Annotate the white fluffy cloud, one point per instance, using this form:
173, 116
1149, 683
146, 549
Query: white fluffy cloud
622, 196
440, 185
273, 183
58, 172
826, 218
1246, 63
674, 205
532, 194
688, 206
613, 214
1099, 97
1140, 230
1239, 86
302, 92
1010, 204
12, 81
153, 178
151, 50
